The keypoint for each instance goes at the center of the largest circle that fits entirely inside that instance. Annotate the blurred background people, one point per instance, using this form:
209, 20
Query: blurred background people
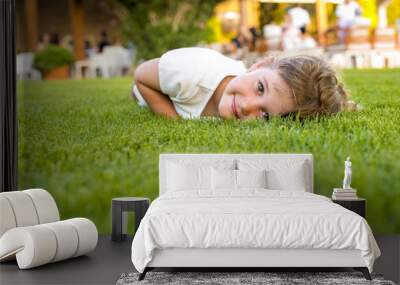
300, 18
67, 43
243, 38
346, 14
290, 34
104, 41
54, 39
255, 34
90, 46
295, 36
44, 41
272, 34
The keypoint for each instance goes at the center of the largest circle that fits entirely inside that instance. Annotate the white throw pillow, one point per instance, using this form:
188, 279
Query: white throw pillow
282, 174
223, 179
193, 174
293, 180
188, 177
226, 179
251, 178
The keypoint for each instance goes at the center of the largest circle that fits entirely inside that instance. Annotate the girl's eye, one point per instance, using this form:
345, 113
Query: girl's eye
260, 88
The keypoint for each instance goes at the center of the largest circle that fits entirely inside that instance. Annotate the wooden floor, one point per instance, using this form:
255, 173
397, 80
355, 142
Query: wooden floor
110, 260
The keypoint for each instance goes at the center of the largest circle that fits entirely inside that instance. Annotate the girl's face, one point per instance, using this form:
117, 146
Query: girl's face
256, 94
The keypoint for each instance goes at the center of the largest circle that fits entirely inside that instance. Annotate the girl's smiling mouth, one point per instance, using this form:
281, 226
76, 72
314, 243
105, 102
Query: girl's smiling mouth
233, 106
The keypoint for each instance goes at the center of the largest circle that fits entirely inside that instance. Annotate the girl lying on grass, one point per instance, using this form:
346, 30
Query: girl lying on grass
199, 82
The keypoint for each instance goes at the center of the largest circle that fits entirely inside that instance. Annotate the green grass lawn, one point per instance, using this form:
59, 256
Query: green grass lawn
87, 141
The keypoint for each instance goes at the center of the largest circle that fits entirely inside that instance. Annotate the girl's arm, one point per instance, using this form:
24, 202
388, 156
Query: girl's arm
147, 81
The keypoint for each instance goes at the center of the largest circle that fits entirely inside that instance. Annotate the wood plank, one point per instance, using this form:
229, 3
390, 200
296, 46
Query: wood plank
78, 27
31, 11
322, 21
243, 12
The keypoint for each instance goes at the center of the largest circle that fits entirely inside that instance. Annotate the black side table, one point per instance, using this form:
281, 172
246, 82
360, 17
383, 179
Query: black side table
120, 206
358, 205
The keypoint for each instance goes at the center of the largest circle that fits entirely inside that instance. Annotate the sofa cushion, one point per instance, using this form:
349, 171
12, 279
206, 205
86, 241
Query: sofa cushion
40, 244
26, 208
45, 206
7, 220
23, 208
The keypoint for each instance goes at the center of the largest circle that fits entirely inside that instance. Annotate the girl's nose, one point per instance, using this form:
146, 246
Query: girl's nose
251, 107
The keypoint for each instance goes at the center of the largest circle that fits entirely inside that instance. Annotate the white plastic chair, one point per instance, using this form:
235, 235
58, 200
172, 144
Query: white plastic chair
113, 61
119, 59
273, 36
99, 62
25, 68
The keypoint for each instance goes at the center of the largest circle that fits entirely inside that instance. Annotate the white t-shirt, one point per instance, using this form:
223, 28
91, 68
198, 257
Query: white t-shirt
300, 17
347, 13
189, 76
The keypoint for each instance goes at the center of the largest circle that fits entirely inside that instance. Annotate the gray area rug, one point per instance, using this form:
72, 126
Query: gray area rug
229, 278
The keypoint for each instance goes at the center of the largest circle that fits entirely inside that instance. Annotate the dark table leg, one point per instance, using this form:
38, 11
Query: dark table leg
124, 221
140, 211
117, 222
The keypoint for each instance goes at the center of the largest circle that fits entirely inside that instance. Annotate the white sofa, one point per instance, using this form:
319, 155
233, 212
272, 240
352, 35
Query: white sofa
31, 231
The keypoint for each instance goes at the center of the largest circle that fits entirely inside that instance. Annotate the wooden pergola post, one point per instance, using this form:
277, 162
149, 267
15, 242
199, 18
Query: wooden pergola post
382, 13
31, 12
322, 20
78, 28
243, 12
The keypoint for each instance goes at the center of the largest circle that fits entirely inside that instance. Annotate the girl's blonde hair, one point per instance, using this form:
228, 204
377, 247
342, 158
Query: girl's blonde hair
314, 84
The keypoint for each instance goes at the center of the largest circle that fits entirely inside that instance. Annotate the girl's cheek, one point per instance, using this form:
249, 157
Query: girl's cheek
238, 80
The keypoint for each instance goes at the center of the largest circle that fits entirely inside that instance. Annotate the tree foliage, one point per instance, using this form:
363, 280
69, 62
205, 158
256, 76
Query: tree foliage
156, 26
271, 13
